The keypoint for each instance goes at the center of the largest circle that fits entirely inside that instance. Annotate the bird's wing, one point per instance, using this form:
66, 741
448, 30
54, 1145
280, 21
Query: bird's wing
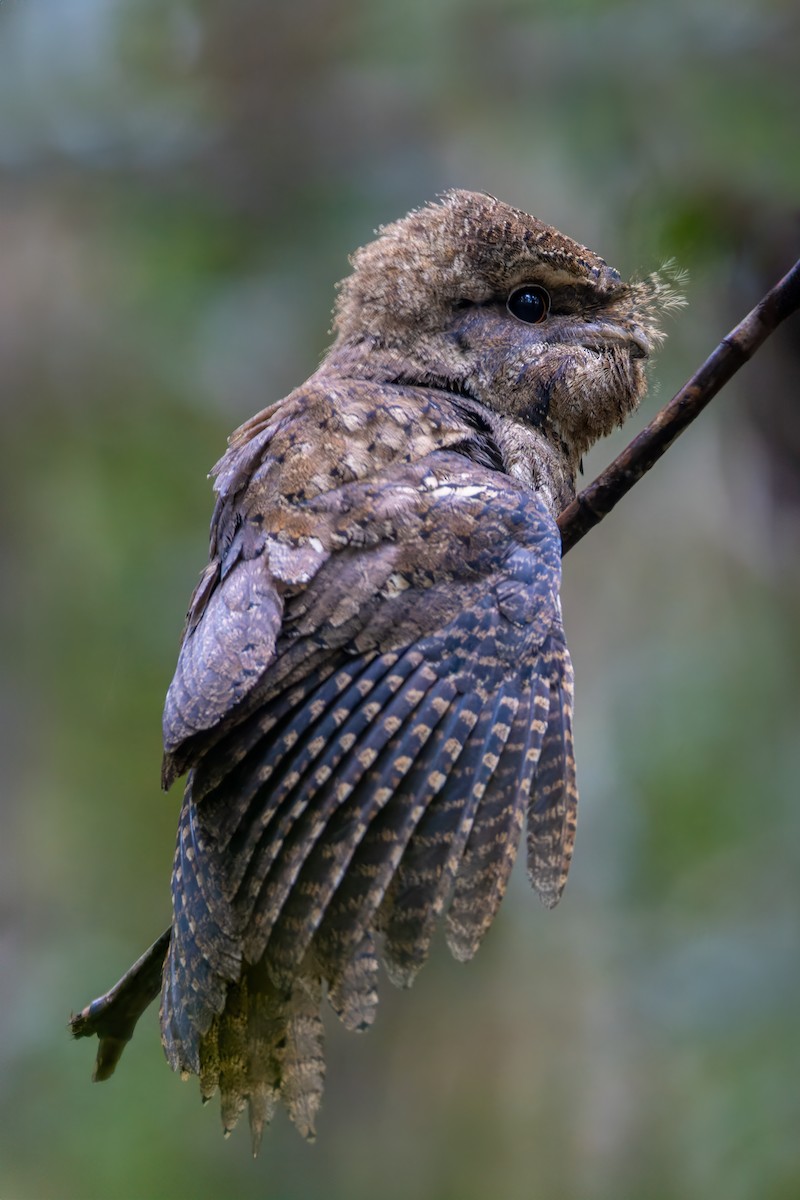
383, 760
260, 545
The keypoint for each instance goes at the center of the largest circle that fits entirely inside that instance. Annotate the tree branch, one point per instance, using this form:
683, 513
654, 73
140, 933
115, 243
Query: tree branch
113, 1015
597, 500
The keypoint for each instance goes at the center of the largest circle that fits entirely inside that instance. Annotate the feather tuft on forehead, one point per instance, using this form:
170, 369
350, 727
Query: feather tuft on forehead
466, 246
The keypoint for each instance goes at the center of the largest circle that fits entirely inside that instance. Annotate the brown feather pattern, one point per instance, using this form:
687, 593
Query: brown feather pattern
358, 804
373, 692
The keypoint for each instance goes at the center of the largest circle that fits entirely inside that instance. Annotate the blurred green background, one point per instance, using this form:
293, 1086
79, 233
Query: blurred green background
180, 184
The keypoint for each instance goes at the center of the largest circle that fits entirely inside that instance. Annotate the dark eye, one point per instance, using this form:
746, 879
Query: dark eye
529, 303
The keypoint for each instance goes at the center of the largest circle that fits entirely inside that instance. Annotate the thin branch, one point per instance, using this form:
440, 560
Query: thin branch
597, 500
113, 1015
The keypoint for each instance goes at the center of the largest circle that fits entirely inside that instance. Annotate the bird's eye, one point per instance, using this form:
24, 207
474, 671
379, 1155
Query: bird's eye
529, 303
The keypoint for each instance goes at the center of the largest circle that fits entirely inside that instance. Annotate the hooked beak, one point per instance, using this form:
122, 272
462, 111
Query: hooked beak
633, 337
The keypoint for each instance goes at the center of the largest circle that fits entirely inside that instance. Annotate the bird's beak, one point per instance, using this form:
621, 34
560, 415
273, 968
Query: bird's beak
631, 336
638, 339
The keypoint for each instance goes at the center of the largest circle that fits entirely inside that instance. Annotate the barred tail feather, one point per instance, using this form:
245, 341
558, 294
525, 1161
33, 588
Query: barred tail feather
204, 954
329, 857
553, 808
308, 823
492, 846
267, 1045
354, 994
425, 876
307, 774
361, 892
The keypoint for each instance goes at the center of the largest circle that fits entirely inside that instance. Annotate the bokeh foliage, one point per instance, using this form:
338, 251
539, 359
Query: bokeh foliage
180, 183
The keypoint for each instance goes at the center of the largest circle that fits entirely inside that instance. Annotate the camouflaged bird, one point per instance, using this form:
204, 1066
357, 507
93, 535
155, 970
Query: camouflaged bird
374, 693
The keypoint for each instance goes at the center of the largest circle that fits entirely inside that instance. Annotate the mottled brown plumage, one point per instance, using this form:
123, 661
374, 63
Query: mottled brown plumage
373, 693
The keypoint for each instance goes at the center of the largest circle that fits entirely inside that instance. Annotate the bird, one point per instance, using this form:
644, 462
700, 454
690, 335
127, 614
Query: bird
373, 698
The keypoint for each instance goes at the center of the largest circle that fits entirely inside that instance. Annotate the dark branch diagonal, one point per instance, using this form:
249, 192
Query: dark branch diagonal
597, 500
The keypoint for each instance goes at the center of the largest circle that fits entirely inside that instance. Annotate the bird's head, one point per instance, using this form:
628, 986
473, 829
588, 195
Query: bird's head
479, 298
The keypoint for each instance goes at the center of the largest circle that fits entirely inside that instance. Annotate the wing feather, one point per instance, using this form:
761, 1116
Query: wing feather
410, 746
309, 797
240, 811
491, 848
331, 826
353, 992
364, 711
204, 955
553, 808
424, 878
380, 852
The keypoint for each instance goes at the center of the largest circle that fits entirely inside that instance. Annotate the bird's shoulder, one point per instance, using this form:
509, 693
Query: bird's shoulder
329, 432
